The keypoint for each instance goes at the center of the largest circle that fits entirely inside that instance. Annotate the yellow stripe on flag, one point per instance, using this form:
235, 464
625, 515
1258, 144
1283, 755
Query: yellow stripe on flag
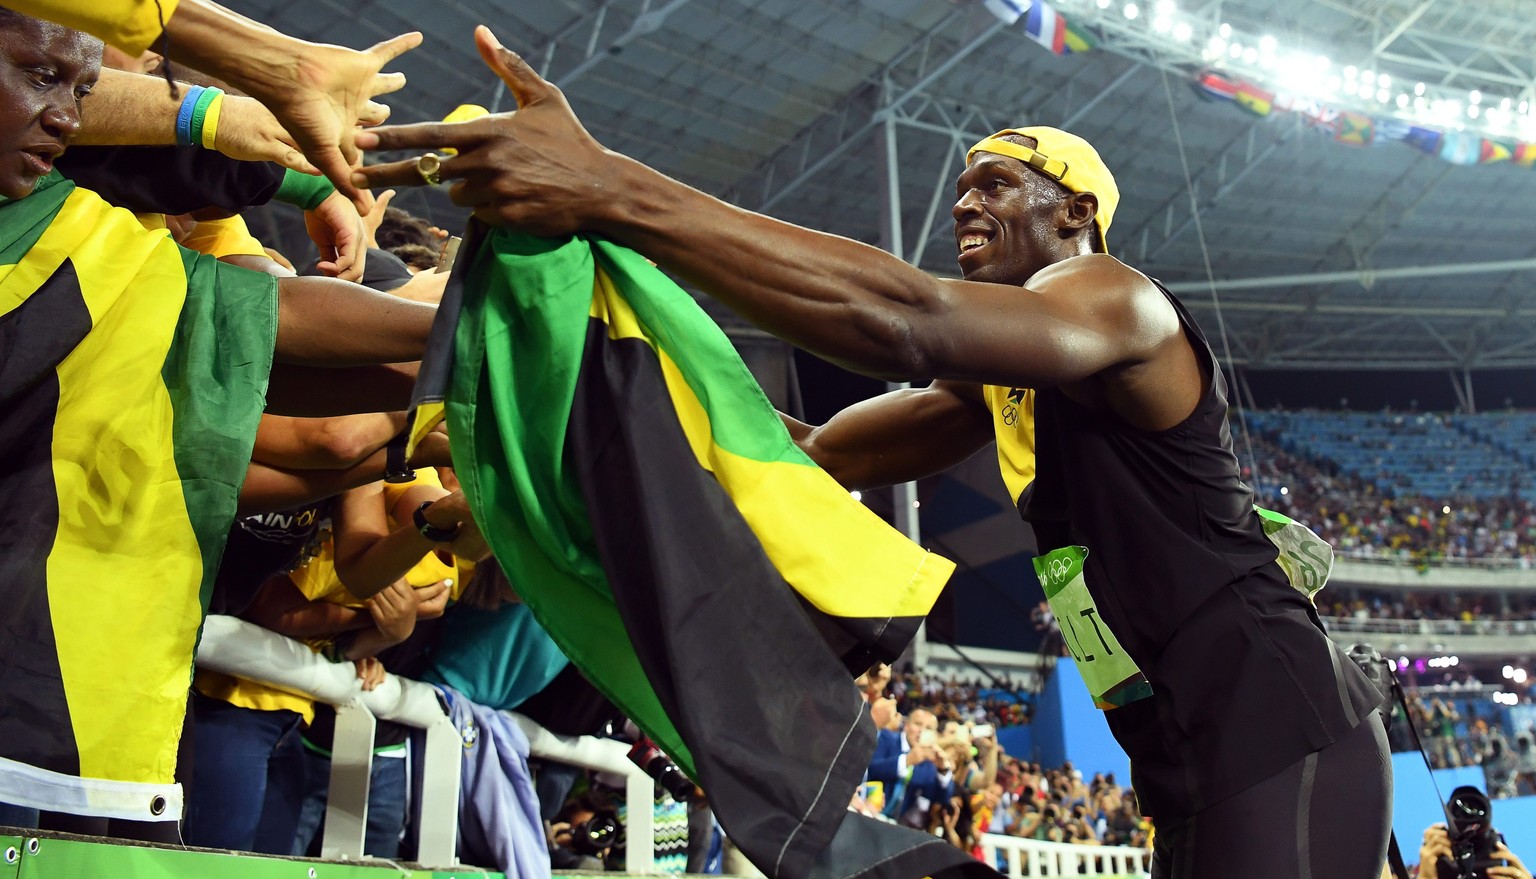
797, 510
124, 655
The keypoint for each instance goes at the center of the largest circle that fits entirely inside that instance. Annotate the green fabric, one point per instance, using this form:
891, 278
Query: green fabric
26, 219
303, 190
216, 371
517, 354
704, 355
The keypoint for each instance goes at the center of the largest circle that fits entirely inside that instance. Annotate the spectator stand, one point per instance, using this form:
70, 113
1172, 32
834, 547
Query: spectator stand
233, 646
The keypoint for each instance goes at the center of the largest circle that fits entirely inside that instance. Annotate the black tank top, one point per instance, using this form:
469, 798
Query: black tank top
1244, 680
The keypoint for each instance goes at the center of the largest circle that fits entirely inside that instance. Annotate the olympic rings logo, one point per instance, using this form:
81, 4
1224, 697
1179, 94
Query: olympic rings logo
1059, 568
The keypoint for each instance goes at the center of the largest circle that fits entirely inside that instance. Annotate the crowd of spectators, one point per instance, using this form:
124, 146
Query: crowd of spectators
1361, 520
952, 777
998, 701
1369, 604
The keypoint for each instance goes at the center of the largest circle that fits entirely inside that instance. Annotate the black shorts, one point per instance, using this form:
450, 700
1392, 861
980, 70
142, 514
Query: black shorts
1327, 816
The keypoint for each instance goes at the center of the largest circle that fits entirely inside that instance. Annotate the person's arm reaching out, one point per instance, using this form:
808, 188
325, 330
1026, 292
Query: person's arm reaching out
899, 436
326, 322
540, 171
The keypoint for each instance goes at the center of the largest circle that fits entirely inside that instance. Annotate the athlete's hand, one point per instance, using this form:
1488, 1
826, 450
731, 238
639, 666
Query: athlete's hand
536, 169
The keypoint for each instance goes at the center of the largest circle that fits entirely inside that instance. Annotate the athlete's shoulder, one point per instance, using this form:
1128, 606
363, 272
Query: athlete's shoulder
1123, 296
1094, 271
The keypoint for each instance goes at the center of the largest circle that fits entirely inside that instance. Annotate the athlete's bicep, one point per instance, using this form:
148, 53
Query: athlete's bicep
1073, 321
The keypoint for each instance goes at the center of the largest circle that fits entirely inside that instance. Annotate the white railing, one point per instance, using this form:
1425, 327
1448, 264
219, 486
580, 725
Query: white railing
233, 646
1429, 627
1017, 857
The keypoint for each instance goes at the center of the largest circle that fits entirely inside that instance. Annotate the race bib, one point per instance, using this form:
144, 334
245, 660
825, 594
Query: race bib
1110, 673
1306, 559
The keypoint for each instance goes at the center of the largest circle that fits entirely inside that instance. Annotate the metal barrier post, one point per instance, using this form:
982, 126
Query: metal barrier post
346, 811
437, 824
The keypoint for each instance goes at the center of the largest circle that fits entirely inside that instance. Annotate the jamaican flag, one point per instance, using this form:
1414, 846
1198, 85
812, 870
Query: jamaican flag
129, 398
649, 506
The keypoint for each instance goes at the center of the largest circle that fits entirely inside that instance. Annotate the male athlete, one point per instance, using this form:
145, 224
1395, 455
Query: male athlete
1251, 736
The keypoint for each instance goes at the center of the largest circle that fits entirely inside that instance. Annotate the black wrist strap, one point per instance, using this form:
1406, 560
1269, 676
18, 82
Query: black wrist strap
430, 531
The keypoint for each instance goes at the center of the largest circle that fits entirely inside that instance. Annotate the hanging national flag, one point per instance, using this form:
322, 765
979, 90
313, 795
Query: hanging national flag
132, 377
1215, 86
1461, 149
1355, 129
1525, 154
1492, 151
1078, 39
1007, 10
1254, 99
1427, 140
1389, 129
1046, 27
653, 512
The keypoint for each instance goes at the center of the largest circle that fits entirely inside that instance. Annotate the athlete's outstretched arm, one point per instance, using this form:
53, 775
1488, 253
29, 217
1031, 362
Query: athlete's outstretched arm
540, 171
900, 436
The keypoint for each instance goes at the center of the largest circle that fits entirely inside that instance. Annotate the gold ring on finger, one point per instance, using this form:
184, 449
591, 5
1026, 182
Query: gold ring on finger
430, 167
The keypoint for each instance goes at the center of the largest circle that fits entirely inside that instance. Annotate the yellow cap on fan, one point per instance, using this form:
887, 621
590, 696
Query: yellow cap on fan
463, 113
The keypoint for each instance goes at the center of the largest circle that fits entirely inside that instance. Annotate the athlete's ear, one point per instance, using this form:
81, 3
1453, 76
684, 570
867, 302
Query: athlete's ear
1077, 212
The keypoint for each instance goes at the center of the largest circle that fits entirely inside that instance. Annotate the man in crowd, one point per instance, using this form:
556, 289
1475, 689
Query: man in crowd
132, 375
1237, 711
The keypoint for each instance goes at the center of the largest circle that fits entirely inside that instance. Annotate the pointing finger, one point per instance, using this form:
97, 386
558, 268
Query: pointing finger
522, 81
422, 135
391, 49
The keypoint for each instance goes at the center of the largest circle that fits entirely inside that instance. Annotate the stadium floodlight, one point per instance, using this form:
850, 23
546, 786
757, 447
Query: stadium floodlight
1166, 7
1368, 77
1162, 24
1402, 101
1235, 50
1351, 87
1473, 111
1418, 89
1132, 10
1225, 30
1509, 671
1267, 44
1322, 62
1382, 95
1384, 81
1103, 4
859, 496
1182, 32
1475, 96
1519, 676
1351, 71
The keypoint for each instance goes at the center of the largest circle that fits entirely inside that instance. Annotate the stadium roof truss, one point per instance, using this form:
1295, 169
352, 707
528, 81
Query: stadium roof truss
853, 115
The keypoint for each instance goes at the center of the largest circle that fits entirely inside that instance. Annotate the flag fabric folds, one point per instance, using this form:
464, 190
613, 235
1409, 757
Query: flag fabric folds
1007, 11
1046, 27
1355, 129
1254, 99
131, 395
652, 511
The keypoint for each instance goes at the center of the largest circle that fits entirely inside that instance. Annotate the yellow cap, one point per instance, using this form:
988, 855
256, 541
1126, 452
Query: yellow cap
463, 113
1065, 158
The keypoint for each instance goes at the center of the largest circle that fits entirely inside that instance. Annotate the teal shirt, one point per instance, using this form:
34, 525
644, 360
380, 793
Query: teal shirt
496, 658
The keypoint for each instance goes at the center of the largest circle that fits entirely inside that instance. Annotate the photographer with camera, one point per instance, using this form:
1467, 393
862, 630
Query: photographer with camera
582, 834
1468, 847
1436, 854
